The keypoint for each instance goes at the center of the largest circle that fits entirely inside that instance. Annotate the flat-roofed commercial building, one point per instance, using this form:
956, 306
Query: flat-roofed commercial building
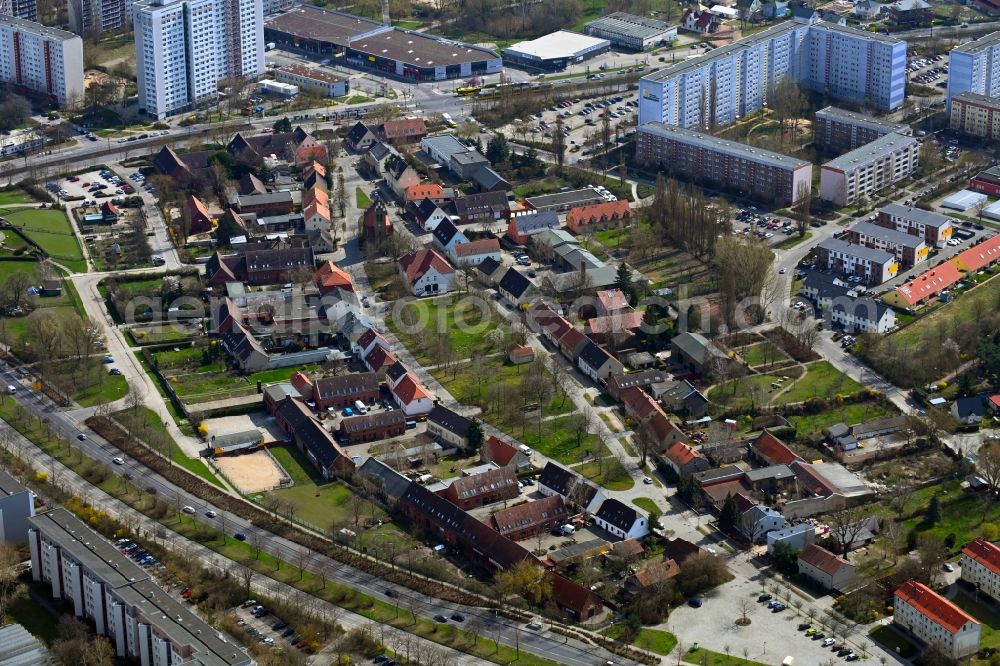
874, 266
975, 114
839, 130
314, 80
755, 172
868, 169
736, 79
934, 228
629, 31
555, 51
142, 620
909, 250
371, 46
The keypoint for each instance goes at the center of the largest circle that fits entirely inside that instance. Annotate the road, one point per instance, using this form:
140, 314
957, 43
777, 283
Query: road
567, 651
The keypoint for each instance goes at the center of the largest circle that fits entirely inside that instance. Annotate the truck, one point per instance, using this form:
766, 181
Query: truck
359, 407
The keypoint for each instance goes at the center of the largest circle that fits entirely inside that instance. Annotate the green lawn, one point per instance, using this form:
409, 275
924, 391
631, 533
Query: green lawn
357, 99
990, 636
35, 617
608, 473
112, 388
793, 240
154, 334
465, 321
744, 392
717, 659
960, 309
52, 230
893, 641
763, 352
821, 380
362, 199
849, 414
654, 640
14, 196
156, 433
558, 440
961, 514
646, 504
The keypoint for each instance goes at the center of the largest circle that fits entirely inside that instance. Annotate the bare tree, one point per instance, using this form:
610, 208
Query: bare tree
845, 526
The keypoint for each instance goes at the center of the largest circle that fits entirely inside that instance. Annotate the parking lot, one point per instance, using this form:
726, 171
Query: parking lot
92, 185
928, 71
266, 628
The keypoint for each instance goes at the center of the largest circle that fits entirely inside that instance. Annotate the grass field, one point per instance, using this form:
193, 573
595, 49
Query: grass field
14, 196
821, 380
961, 514
608, 473
763, 352
151, 421
646, 504
35, 617
52, 230
990, 636
362, 199
465, 320
892, 641
716, 659
654, 640
744, 392
849, 414
112, 388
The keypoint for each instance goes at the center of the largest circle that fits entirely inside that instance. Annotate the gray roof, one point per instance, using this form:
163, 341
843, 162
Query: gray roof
19, 648
469, 157
888, 235
597, 278
630, 25
978, 98
918, 215
909, 5
10, 486
261, 199
243, 437
825, 285
445, 144
870, 152
859, 119
981, 44
776, 472
697, 346
486, 177
85, 546
37, 28
279, 392
871, 254
725, 146
563, 198
392, 483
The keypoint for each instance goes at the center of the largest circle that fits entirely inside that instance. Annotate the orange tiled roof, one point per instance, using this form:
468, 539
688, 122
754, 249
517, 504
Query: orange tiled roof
985, 553
978, 256
822, 559
934, 607
424, 191
773, 449
681, 454
331, 276
417, 263
409, 389
929, 283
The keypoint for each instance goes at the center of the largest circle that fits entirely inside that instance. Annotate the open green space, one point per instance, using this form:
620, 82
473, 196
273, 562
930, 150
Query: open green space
113, 387
892, 641
175, 412
34, 616
607, 472
821, 380
14, 196
654, 640
561, 440
151, 429
52, 230
362, 199
464, 320
962, 514
111, 49
750, 391
646, 504
847, 413
761, 353
149, 335
960, 309
357, 99
717, 659
990, 636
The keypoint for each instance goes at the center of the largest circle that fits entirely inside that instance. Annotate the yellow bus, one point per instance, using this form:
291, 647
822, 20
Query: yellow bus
466, 91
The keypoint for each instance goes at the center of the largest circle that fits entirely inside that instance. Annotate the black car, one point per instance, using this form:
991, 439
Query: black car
695, 602
440, 618
843, 652
379, 659
287, 632
764, 597
458, 617
278, 626
239, 536
389, 592
804, 626
819, 635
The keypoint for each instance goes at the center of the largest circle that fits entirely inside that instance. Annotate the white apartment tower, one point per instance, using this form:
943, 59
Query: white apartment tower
92, 17
184, 48
42, 59
25, 9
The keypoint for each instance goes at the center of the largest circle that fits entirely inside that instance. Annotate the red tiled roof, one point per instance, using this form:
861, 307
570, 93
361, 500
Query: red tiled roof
314, 208
330, 276
657, 573
416, 264
528, 514
607, 209
370, 336
522, 350
979, 256
985, 553
822, 559
316, 168
409, 389
572, 337
499, 451
572, 595
612, 300
481, 246
934, 607
773, 450
393, 129
681, 454
619, 321
315, 194
663, 428
639, 404
423, 191
995, 400
811, 480
380, 358
302, 384
743, 503
929, 283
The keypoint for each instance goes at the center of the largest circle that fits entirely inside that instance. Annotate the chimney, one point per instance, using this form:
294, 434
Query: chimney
583, 270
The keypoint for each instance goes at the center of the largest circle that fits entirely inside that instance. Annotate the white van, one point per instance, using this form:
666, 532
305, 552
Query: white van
526, 450
567, 529
359, 407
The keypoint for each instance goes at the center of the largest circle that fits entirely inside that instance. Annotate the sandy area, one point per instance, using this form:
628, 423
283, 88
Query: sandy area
250, 472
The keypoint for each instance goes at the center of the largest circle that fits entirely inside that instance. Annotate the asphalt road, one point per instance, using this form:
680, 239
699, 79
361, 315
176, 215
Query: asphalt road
552, 646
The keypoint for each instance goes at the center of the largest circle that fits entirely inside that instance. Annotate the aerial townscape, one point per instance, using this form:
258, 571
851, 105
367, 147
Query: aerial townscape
461, 332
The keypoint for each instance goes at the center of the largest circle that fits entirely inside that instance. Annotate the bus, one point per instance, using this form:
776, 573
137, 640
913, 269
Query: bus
466, 91
448, 120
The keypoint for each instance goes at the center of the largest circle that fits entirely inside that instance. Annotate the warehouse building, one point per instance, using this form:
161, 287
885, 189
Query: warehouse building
632, 32
554, 52
364, 44
838, 130
755, 172
868, 169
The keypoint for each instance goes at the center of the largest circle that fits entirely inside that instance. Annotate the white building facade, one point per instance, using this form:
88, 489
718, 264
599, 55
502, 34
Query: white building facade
935, 620
981, 567
184, 48
42, 59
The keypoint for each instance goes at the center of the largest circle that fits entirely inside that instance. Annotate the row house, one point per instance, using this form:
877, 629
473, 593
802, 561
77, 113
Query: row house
373, 426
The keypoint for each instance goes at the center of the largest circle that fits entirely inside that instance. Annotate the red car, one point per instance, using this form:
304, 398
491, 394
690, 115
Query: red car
186, 594
300, 644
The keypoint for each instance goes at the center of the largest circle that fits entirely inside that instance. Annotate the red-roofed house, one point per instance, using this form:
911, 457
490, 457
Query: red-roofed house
685, 460
660, 572
772, 451
595, 217
981, 567
520, 354
993, 402
978, 256
316, 217
827, 569
201, 220
929, 284
609, 301
573, 599
403, 130
701, 21
475, 252
368, 340
411, 396
379, 359
489, 487
421, 191
505, 454
933, 619
530, 518
315, 194
329, 276
620, 325
427, 272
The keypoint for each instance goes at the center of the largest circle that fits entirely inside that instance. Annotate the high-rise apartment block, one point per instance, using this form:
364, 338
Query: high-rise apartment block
739, 78
755, 172
92, 17
839, 130
23, 9
975, 67
184, 48
975, 114
42, 59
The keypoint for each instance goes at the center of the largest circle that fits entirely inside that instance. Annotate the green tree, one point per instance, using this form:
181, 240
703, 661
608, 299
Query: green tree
785, 558
933, 515
497, 150
729, 515
227, 229
282, 125
623, 280
475, 436
989, 363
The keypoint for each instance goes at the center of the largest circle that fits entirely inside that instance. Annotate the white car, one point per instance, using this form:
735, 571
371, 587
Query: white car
188, 509
118, 461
